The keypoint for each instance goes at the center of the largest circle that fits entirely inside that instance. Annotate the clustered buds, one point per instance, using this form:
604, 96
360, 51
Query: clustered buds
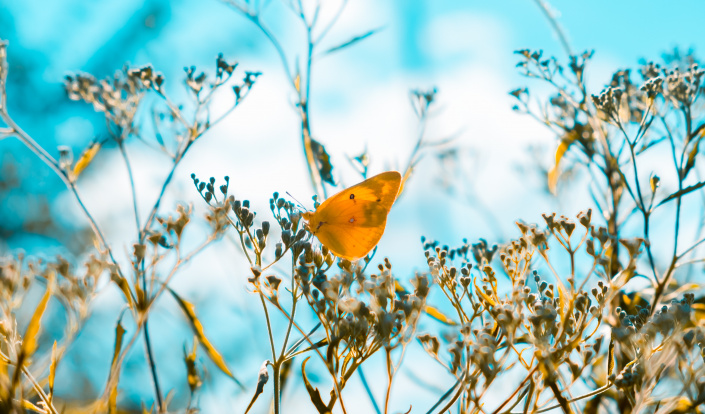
609, 102
73, 288
682, 88
644, 327
118, 96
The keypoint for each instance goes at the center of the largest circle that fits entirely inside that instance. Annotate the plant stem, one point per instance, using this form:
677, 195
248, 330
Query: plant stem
153, 369
276, 364
519, 388
545, 8
368, 390
147, 341
123, 151
54, 165
646, 213
390, 377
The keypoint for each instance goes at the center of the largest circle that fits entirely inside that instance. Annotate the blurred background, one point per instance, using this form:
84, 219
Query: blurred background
488, 176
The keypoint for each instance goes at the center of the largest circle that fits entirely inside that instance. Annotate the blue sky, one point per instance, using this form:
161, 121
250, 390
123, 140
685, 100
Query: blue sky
359, 100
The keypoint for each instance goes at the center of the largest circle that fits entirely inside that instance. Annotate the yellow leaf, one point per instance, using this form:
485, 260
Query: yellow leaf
407, 175
27, 405
682, 406
52, 372
610, 359
399, 289
197, 327
554, 172
29, 342
439, 316
433, 312
113, 382
86, 158
124, 287
193, 377
297, 83
313, 393
119, 333
654, 182
482, 294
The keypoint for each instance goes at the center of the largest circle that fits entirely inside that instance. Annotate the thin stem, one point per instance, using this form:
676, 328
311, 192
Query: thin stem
368, 390
582, 397
661, 286
546, 9
314, 174
316, 349
332, 22
316, 178
294, 293
254, 18
213, 123
94, 225
31, 144
689, 249
115, 370
276, 372
39, 390
180, 262
148, 344
519, 388
642, 207
275, 366
123, 151
155, 208
280, 50
153, 368
309, 51
390, 377
446, 408
147, 341
54, 165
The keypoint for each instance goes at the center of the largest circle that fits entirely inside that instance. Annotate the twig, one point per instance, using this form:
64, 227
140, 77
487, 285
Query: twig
546, 9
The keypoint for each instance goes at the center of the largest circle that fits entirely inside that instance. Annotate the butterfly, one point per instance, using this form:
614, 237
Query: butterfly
351, 222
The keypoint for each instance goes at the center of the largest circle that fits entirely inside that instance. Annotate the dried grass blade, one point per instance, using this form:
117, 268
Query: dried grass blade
554, 172
113, 382
213, 354
439, 316
313, 393
86, 158
682, 192
352, 41
610, 359
29, 340
52, 372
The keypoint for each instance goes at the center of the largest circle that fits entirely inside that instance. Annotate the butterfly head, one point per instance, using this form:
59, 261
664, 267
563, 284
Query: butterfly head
311, 222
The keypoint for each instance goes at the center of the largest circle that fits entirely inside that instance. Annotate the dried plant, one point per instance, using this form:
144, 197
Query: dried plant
581, 314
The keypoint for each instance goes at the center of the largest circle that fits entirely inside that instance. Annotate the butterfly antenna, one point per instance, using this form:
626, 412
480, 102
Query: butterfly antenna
301, 205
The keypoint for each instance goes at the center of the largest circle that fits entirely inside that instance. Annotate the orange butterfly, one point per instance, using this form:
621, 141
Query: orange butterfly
352, 222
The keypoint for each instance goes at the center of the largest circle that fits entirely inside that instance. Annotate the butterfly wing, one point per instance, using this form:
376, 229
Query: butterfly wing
352, 222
